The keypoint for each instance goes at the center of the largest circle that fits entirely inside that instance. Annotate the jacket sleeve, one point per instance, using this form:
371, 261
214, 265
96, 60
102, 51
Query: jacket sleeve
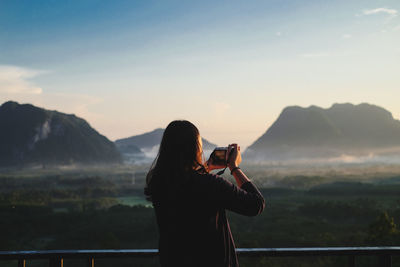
246, 200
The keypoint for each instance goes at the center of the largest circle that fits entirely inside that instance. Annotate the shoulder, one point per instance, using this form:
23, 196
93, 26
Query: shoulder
209, 179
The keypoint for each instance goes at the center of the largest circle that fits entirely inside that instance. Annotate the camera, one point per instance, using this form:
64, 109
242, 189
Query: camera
218, 156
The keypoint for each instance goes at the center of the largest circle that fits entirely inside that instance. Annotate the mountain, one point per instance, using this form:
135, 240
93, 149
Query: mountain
32, 135
146, 140
151, 139
315, 132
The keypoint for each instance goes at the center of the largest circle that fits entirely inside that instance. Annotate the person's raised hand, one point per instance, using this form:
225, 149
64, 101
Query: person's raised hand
235, 157
212, 166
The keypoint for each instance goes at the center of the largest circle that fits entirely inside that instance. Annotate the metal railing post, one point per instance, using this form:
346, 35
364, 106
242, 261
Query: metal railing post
22, 263
90, 262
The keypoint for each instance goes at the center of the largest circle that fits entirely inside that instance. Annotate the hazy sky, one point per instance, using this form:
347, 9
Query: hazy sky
230, 67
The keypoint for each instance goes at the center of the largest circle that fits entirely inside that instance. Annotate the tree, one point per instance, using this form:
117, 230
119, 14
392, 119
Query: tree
383, 231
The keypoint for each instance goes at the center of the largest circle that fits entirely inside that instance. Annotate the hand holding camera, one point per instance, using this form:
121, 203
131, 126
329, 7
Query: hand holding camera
223, 157
235, 156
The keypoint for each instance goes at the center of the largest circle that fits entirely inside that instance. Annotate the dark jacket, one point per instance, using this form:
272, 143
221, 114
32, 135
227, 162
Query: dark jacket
192, 223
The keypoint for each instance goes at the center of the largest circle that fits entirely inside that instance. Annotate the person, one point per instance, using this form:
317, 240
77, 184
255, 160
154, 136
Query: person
190, 202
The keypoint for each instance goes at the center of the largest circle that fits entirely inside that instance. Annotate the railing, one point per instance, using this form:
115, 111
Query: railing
56, 257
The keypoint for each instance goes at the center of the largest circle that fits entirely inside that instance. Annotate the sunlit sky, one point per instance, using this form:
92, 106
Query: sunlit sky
230, 67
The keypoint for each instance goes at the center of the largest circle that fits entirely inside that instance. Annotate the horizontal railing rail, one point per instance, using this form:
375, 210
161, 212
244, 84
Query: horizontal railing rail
56, 257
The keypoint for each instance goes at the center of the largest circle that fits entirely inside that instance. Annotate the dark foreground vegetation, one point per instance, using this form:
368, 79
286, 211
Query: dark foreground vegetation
70, 211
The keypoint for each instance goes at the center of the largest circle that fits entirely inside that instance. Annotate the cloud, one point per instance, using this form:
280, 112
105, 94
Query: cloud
15, 84
381, 10
278, 34
346, 36
15, 80
391, 12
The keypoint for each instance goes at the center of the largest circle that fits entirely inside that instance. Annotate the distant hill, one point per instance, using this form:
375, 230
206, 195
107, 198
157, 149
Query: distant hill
32, 135
315, 132
151, 139
146, 140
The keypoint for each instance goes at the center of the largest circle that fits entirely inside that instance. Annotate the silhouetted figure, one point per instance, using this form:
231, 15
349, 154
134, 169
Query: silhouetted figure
190, 203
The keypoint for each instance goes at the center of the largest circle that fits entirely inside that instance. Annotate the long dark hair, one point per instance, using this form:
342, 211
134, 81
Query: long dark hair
180, 152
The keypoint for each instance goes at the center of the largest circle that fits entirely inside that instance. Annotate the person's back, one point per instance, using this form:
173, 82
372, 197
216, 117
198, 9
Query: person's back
190, 211
189, 224
192, 221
